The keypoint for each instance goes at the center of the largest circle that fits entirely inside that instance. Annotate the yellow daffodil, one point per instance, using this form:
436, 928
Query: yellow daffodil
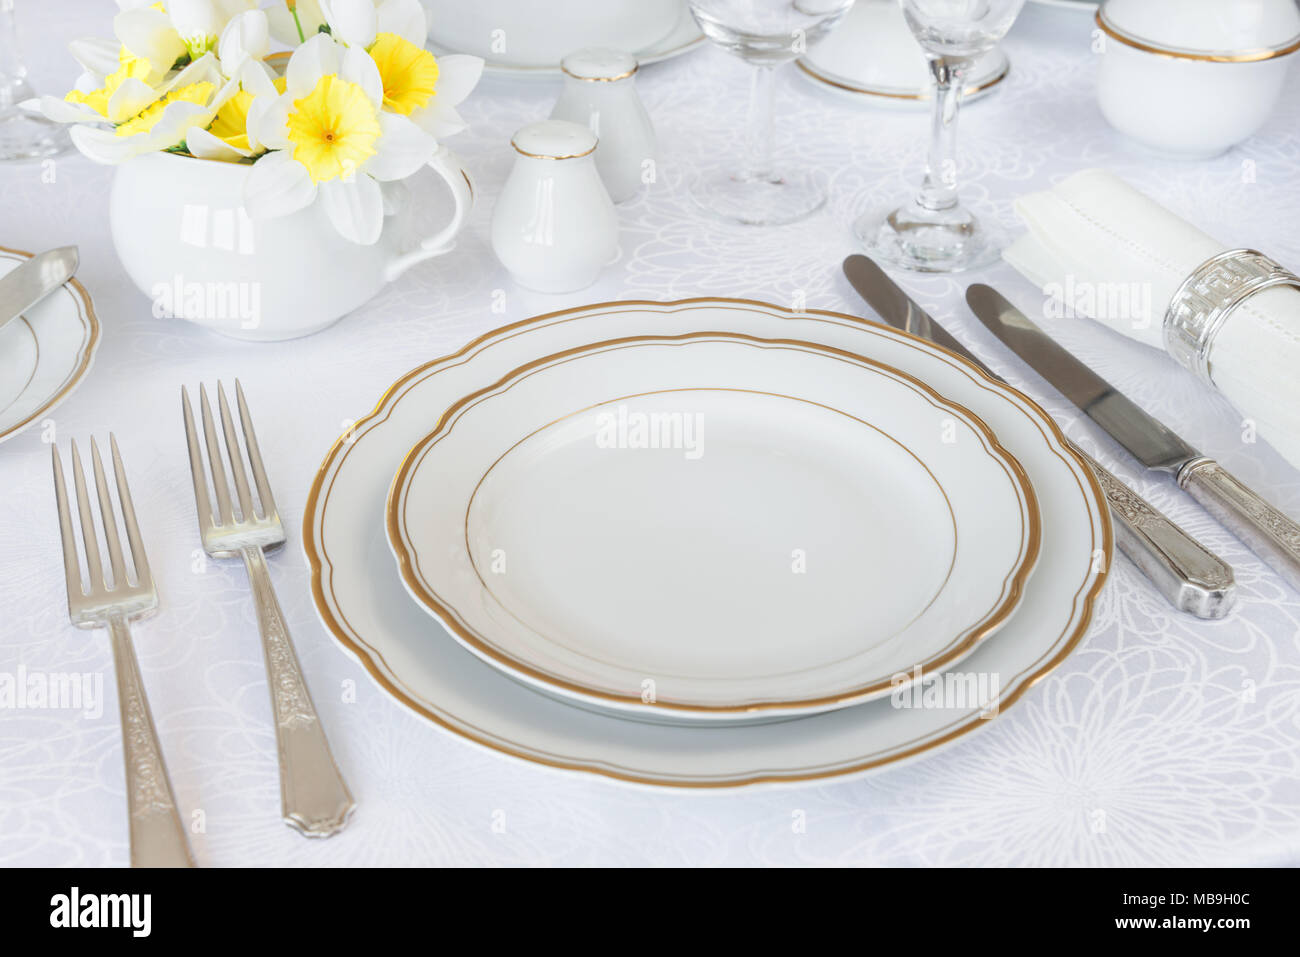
131, 67
231, 124
329, 137
333, 129
409, 72
196, 93
416, 84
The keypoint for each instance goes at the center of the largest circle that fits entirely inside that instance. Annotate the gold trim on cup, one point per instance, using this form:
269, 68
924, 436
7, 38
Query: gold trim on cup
1179, 53
600, 79
550, 156
321, 582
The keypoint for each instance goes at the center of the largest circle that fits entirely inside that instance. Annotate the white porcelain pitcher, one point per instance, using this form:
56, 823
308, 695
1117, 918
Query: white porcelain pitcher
182, 233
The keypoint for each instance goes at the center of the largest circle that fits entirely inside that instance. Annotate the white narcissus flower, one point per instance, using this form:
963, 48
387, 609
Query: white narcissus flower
247, 36
331, 138
192, 100
416, 83
164, 33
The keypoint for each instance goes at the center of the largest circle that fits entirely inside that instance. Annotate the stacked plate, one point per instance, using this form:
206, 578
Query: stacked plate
705, 543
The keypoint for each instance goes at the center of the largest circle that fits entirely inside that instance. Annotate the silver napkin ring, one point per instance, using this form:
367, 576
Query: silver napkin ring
1209, 296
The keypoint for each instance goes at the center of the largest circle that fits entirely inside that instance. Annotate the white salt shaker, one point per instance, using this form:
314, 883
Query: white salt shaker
554, 226
600, 91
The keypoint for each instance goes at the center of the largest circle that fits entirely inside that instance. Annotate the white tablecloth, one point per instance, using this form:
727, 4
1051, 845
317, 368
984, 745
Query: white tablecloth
1162, 740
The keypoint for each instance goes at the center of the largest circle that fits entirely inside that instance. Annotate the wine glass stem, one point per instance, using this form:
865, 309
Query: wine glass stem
939, 190
13, 86
758, 140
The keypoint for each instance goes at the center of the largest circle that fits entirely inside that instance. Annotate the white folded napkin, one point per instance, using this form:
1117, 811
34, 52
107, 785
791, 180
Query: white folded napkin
1111, 252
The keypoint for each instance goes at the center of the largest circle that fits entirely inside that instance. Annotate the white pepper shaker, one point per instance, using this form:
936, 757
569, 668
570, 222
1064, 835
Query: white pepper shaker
600, 92
554, 226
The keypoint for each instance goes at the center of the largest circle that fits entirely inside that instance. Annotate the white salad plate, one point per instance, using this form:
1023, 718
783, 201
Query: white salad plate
361, 599
45, 352
713, 527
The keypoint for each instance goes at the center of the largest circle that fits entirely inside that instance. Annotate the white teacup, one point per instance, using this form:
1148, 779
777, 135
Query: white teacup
182, 233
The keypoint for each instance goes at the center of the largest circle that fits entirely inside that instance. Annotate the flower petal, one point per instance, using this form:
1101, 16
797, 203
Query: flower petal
104, 146
96, 56
268, 121
439, 119
61, 111
458, 74
277, 185
402, 149
149, 33
353, 21
129, 99
247, 36
360, 68
406, 19
206, 146
311, 61
356, 208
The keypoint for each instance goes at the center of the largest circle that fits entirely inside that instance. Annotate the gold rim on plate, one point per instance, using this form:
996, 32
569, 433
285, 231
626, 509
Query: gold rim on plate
962, 643
380, 671
86, 349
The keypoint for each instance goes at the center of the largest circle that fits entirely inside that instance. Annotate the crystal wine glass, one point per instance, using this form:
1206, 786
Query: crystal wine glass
934, 232
23, 135
766, 34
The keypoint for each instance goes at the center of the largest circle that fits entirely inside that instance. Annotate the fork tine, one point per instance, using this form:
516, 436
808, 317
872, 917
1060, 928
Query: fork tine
237, 470
214, 459
94, 569
254, 454
71, 567
197, 473
139, 560
107, 518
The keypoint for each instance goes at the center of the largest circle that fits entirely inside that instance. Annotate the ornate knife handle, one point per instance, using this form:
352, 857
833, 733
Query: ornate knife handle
313, 796
1271, 535
157, 835
1193, 578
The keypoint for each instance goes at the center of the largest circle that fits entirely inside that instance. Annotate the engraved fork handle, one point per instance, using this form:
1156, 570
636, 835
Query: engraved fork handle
313, 796
157, 836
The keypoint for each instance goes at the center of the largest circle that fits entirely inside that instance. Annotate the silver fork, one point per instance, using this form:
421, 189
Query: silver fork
313, 796
157, 836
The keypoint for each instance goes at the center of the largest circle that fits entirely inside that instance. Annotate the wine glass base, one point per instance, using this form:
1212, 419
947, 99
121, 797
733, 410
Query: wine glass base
24, 136
923, 240
771, 200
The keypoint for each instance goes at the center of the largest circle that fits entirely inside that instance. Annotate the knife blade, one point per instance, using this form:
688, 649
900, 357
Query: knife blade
24, 287
1269, 533
1191, 577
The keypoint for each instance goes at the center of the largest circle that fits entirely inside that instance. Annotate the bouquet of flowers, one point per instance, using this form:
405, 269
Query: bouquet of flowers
359, 102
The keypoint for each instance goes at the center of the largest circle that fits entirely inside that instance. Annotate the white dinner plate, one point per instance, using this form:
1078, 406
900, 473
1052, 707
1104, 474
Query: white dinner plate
713, 527
45, 352
361, 600
682, 38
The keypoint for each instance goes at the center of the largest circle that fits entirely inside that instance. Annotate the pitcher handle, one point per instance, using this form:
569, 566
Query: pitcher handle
447, 165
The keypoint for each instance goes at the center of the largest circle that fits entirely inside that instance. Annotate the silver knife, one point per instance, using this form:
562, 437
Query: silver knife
1271, 535
24, 287
1193, 578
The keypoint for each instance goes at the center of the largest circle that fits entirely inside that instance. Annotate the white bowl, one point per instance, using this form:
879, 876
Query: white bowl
1195, 77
